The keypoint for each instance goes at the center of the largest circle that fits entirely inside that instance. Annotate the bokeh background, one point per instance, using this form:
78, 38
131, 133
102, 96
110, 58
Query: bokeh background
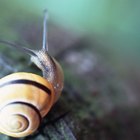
97, 44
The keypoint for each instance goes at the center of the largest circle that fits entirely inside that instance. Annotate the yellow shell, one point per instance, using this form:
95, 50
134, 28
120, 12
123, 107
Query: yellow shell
25, 98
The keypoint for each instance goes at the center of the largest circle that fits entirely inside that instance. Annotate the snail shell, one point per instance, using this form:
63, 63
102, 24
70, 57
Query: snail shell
23, 103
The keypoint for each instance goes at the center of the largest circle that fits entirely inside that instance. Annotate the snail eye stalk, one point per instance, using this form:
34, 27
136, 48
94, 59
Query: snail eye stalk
26, 50
45, 38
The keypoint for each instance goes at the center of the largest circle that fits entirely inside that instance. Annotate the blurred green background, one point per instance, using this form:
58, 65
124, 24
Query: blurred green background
112, 32
114, 24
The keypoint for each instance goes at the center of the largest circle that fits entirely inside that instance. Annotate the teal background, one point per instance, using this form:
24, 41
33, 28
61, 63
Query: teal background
114, 24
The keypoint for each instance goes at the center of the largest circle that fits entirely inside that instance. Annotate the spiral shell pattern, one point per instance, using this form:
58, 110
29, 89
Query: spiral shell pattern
23, 103
16, 122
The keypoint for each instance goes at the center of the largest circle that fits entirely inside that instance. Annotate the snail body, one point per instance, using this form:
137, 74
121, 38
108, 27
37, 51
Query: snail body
25, 98
51, 70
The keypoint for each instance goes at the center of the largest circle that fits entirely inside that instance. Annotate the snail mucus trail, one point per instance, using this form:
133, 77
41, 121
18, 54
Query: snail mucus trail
25, 98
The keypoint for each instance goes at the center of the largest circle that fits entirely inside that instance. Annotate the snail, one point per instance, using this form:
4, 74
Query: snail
25, 98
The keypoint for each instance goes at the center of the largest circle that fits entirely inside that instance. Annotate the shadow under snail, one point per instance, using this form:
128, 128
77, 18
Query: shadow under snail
25, 98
